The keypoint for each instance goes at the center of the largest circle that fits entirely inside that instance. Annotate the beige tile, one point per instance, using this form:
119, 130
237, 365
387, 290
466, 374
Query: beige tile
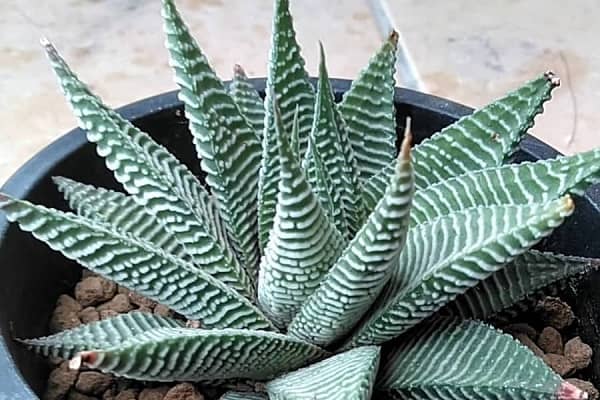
474, 51
117, 47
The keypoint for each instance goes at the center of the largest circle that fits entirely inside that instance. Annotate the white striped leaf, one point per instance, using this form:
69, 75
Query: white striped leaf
302, 247
243, 396
481, 140
346, 376
446, 257
100, 334
121, 212
369, 113
186, 354
248, 100
226, 143
365, 266
510, 184
449, 359
295, 136
523, 278
328, 194
289, 87
138, 265
155, 179
337, 158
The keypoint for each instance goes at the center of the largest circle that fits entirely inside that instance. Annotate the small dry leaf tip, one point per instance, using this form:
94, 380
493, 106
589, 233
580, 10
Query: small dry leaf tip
568, 391
551, 76
407, 140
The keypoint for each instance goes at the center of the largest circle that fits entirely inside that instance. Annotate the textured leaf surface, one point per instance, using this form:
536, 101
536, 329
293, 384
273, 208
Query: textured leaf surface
248, 100
226, 143
185, 354
523, 277
139, 266
302, 247
121, 212
156, 180
467, 360
444, 258
345, 376
244, 396
337, 160
511, 184
363, 269
289, 87
369, 113
483, 139
101, 334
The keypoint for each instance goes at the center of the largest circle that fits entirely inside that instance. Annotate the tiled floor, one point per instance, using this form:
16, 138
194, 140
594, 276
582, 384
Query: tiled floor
467, 51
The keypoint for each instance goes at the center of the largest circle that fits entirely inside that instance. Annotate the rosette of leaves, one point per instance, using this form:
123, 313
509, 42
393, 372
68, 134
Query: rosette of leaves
312, 242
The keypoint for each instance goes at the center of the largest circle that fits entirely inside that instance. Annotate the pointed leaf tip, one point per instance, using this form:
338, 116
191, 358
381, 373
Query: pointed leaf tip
238, 71
568, 391
393, 38
84, 358
45, 42
407, 140
551, 76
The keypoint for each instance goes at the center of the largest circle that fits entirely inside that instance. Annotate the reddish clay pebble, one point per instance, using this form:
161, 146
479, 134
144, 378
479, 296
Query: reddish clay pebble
579, 353
127, 394
154, 393
560, 364
145, 309
89, 314
521, 328
555, 312
63, 318
73, 395
586, 386
527, 342
123, 290
60, 381
550, 341
92, 382
163, 311
120, 304
94, 290
68, 302
183, 391
140, 300
86, 273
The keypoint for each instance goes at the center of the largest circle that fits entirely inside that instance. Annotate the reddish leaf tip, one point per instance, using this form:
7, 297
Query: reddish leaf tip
568, 391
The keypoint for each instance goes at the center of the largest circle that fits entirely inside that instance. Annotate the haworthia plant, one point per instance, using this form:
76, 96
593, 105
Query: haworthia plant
229, 149
347, 376
450, 359
364, 267
313, 226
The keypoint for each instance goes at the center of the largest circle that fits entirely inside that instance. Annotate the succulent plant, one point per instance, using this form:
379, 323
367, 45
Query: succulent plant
316, 259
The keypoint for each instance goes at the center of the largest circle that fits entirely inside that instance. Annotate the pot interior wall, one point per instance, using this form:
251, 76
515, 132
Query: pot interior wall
32, 276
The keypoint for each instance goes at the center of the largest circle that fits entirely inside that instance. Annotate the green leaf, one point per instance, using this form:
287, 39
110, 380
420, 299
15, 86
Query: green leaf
365, 266
302, 247
289, 87
337, 159
138, 265
248, 100
510, 184
320, 181
155, 179
243, 396
481, 140
100, 334
449, 359
369, 113
226, 144
449, 255
523, 277
121, 212
346, 376
185, 354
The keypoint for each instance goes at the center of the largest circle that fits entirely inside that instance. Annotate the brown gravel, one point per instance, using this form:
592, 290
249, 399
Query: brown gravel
63, 318
560, 364
73, 395
183, 391
550, 341
92, 382
89, 314
60, 381
127, 394
94, 290
587, 387
527, 342
119, 304
153, 393
163, 311
579, 353
140, 300
555, 312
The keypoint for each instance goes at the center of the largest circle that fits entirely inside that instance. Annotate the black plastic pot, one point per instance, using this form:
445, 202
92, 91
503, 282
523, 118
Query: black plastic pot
32, 276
